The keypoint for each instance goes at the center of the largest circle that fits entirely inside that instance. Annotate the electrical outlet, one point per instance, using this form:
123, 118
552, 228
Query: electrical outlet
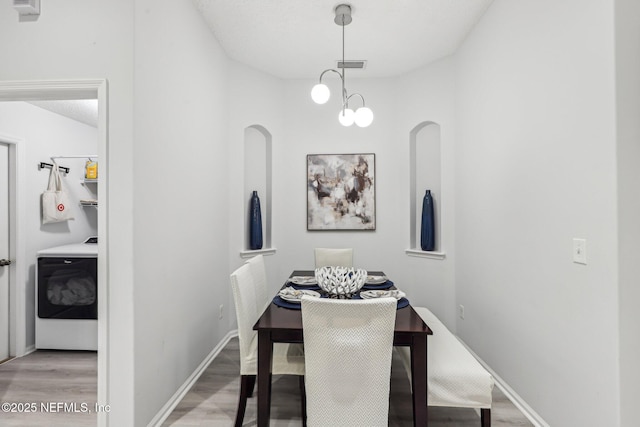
221, 311
580, 251
461, 311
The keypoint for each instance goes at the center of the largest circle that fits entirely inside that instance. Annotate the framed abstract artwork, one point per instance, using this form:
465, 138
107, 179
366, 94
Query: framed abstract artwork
341, 192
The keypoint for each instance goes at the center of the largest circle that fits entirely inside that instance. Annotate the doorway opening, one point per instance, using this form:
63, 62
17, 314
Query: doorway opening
54, 91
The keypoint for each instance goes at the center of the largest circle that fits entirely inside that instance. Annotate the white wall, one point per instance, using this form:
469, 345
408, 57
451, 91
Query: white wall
46, 134
180, 147
536, 167
180, 213
314, 129
189, 114
78, 39
255, 98
627, 19
398, 105
428, 95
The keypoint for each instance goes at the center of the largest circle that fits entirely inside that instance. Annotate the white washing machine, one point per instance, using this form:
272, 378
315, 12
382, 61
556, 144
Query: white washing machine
67, 297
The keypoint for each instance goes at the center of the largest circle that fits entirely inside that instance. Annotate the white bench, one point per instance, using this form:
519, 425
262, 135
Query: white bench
455, 377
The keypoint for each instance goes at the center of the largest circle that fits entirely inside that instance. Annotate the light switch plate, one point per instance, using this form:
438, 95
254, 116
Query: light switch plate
580, 251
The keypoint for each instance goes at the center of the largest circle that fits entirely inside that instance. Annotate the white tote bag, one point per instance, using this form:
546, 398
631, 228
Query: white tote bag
55, 201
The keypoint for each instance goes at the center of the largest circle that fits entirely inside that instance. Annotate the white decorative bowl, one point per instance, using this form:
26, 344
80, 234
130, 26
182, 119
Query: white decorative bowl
340, 281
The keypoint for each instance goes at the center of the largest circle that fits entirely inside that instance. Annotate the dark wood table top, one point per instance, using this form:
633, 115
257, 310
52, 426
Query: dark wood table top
288, 322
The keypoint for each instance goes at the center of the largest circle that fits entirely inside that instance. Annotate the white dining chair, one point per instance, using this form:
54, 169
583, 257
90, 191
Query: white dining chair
288, 359
326, 257
259, 274
348, 345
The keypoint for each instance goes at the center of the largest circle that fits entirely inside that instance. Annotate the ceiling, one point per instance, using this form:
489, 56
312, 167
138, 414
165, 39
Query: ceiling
295, 39
82, 110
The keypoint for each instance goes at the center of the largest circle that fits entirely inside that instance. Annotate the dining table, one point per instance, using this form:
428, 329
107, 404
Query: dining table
282, 324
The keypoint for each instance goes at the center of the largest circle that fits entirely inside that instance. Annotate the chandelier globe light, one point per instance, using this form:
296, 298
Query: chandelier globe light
320, 93
346, 117
363, 117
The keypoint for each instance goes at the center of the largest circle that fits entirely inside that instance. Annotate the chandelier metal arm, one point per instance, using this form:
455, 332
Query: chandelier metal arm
344, 90
354, 94
335, 71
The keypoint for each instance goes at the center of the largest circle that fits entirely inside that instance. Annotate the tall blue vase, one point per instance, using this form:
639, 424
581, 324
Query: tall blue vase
427, 231
255, 223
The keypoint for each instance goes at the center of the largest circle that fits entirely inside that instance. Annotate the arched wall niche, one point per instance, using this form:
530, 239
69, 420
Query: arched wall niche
425, 174
258, 177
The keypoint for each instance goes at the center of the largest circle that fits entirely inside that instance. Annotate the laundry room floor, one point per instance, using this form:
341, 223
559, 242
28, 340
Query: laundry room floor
49, 388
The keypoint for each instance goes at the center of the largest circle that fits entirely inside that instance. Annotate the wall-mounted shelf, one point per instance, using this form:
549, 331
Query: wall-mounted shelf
425, 254
92, 189
251, 254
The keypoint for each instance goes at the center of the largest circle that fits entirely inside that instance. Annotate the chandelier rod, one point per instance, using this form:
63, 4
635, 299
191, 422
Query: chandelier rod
345, 99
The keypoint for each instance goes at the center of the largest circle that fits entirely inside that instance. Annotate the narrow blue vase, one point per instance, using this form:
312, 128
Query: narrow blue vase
427, 231
255, 223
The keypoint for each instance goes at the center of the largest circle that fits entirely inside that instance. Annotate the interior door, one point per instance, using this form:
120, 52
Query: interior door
4, 251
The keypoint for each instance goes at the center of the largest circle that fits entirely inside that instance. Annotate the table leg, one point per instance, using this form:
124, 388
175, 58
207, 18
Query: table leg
419, 379
265, 352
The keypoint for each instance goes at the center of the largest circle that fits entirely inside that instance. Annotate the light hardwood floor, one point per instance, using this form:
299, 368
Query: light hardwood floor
70, 376
49, 378
213, 400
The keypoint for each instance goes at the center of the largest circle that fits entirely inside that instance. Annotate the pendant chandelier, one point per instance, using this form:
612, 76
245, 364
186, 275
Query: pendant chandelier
320, 93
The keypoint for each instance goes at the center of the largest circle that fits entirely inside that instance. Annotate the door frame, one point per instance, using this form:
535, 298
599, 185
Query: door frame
62, 90
18, 268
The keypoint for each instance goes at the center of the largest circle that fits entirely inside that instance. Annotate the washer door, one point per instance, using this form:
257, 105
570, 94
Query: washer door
67, 288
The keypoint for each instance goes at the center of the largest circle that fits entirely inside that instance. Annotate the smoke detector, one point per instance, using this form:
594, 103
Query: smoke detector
27, 7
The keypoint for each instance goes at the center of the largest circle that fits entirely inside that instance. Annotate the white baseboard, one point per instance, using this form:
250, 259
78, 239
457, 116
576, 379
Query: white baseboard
518, 401
168, 407
27, 351
30, 349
